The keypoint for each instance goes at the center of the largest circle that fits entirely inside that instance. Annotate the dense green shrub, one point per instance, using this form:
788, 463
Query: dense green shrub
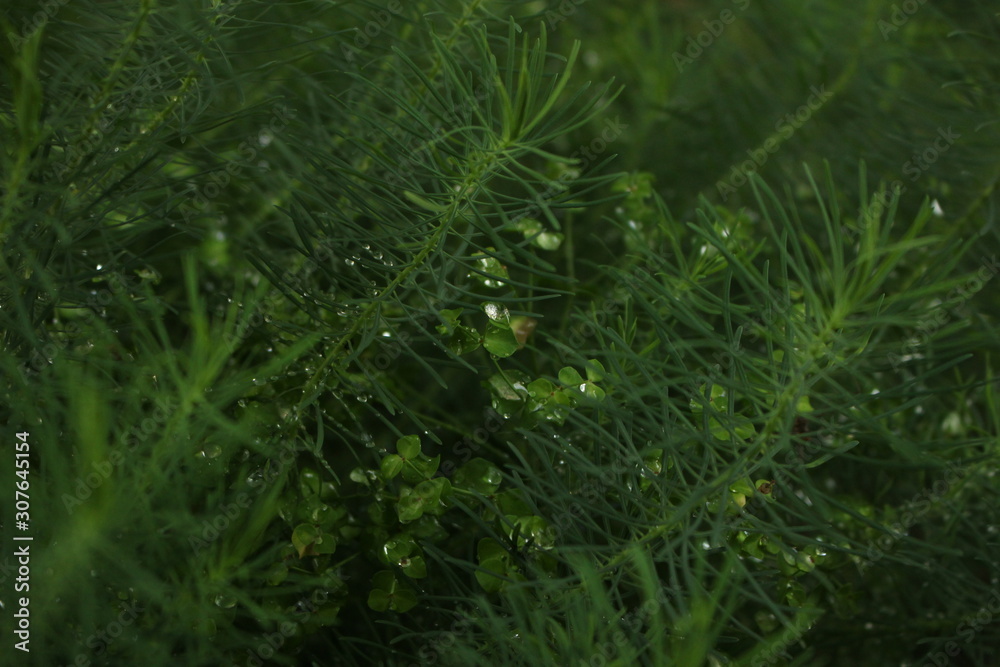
494, 333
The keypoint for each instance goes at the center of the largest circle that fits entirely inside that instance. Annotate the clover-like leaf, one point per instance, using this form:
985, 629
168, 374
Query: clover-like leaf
424, 497
549, 240
421, 468
500, 339
411, 505
450, 318
745, 429
465, 340
388, 593
398, 547
404, 552
391, 465
570, 377
413, 566
496, 272
527, 226
324, 544
309, 482
717, 400
512, 503
595, 370
497, 313
533, 529
535, 232
379, 600
408, 446
478, 475
638, 185
494, 562
276, 574
304, 537
508, 390
541, 389
591, 390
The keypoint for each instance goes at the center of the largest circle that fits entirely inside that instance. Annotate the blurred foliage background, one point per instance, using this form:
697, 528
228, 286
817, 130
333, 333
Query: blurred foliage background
411, 333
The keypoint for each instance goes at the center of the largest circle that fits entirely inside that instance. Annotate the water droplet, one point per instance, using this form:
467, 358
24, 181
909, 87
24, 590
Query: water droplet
256, 478
225, 602
496, 312
210, 452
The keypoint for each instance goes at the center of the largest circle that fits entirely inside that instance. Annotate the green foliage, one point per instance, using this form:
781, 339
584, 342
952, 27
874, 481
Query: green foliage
379, 334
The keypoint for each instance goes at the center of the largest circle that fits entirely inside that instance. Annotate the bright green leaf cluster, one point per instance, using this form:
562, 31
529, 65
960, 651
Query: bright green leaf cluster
541, 399
498, 338
389, 593
535, 232
721, 423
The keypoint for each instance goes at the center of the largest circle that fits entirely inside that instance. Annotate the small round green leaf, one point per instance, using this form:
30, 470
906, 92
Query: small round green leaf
408, 446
